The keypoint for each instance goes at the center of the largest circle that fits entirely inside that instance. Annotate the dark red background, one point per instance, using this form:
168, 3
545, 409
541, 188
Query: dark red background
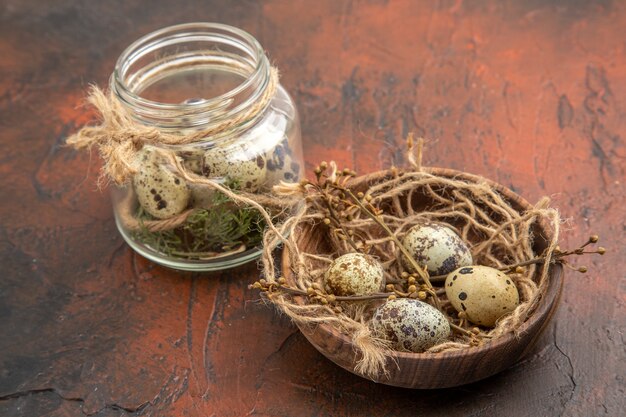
530, 93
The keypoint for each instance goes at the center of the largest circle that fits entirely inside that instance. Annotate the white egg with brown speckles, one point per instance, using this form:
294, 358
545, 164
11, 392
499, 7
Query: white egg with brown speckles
237, 165
484, 294
354, 274
437, 247
160, 192
410, 325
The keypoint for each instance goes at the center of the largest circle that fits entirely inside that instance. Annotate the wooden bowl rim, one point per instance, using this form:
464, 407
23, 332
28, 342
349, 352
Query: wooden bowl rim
555, 274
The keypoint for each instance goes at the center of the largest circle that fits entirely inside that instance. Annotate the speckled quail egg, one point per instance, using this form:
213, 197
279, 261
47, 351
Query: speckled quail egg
410, 325
354, 274
437, 247
192, 159
281, 166
160, 191
235, 164
484, 294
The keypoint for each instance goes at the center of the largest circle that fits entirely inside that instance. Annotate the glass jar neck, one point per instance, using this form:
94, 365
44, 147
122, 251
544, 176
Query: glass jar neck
191, 77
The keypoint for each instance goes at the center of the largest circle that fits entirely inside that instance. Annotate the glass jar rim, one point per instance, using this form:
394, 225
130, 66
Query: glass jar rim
179, 34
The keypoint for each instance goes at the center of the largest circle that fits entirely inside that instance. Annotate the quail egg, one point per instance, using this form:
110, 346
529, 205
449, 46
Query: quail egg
160, 191
281, 166
410, 325
192, 159
484, 294
354, 274
437, 247
235, 164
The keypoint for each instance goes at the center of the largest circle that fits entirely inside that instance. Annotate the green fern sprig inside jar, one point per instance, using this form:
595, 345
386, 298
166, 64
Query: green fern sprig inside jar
188, 103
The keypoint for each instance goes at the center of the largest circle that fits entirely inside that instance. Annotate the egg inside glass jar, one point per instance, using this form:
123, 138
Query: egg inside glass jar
244, 170
354, 274
192, 159
410, 325
484, 294
282, 165
160, 192
435, 246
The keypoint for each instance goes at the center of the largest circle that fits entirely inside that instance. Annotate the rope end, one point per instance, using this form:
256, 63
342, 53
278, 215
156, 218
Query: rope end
415, 151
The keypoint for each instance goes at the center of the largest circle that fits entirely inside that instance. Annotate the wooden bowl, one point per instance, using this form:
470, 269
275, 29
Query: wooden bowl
445, 369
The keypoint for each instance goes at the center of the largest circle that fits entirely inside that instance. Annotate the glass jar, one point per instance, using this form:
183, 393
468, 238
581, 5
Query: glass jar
190, 78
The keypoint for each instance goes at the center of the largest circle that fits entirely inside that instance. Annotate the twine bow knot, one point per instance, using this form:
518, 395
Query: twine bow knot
120, 136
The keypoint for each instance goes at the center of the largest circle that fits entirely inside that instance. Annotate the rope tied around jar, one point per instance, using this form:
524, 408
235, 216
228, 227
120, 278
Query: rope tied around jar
119, 136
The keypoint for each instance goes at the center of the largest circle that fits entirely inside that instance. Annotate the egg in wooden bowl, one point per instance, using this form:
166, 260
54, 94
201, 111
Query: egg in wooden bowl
371, 215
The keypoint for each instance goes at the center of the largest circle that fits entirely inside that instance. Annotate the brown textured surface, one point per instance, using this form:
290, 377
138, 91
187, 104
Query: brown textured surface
528, 93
